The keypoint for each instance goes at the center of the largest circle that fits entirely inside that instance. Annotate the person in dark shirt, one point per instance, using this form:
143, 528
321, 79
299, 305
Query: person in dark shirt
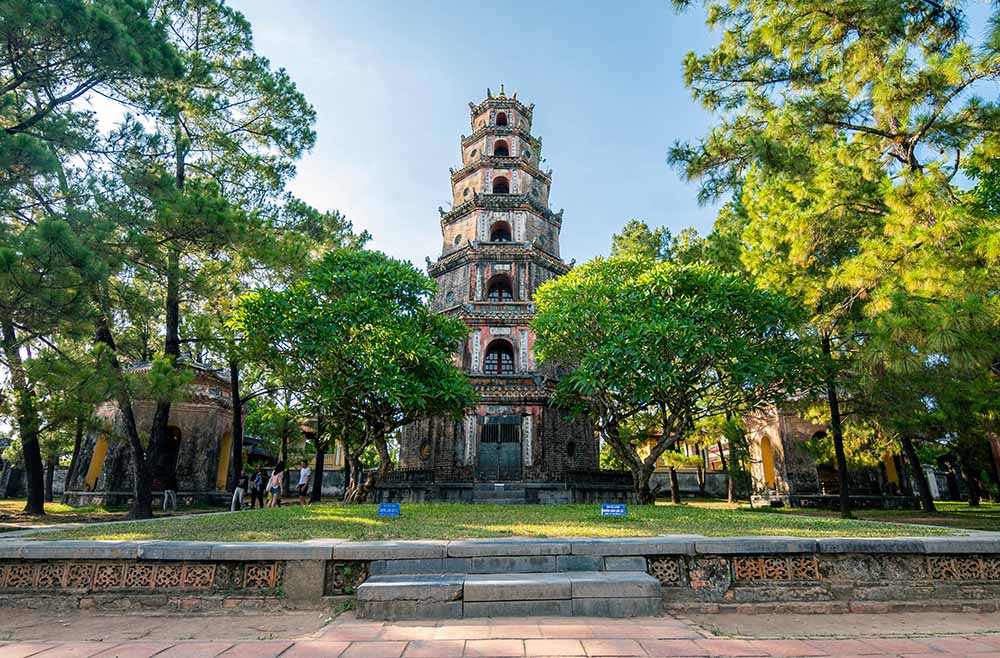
257, 489
170, 492
241, 486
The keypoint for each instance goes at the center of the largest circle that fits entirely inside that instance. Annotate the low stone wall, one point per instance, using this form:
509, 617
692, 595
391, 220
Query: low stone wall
695, 573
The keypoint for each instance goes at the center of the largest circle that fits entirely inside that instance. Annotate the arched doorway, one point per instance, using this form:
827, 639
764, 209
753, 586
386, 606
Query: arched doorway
500, 149
500, 232
499, 289
501, 119
499, 359
165, 465
501, 185
767, 462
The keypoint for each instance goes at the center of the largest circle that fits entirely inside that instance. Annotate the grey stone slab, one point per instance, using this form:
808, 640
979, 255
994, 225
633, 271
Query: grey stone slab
972, 544
672, 545
506, 547
619, 608
508, 564
175, 550
579, 563
870, 545
389, 550
421, 587
754, 545
613, 584
271, 551
558, 608
401, 567
516, 587
10, 548
80, 550
303, 580
393, 610
625, 563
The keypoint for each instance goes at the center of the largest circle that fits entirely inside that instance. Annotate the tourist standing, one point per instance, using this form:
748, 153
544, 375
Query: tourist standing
257, 489
241, 487
303, 488
170, 492
275, 485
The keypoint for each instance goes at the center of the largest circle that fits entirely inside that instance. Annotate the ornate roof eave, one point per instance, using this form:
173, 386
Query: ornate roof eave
499, 202
480, 251
504, 131
500, 100
499, 162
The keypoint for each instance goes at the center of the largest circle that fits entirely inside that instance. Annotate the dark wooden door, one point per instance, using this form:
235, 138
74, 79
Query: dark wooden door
499, 454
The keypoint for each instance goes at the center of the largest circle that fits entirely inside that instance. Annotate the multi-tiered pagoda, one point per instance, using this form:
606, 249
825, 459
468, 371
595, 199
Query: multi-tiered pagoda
501, 241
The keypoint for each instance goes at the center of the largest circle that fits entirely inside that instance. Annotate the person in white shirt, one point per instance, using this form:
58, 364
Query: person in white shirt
303, 487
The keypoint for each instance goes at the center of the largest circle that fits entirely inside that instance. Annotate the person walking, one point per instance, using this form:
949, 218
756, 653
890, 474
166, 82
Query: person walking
170, 492
257, 489
303, 487
241, 486
275, 485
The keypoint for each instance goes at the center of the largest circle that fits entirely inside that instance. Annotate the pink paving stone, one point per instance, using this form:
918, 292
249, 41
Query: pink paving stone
613, 648
560, 631
374, 650
258, 649
663, 648
75, 649
434, 649
553, 648
408, 633
845, 647
728, 647
195, 650
316, 649
352, 633
21, 650
135, 650
514, 631
785, 648
494, 648
462, 632
959, 645
896, 645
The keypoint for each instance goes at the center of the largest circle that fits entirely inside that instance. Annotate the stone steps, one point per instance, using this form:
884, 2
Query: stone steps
507, 493
453, 596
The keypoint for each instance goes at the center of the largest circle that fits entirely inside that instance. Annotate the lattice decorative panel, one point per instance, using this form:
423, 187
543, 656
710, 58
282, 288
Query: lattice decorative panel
971, 567
345, 577
667, 570
260, 576
775, 568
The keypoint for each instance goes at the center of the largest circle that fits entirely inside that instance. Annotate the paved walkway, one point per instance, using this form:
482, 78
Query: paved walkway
872, 636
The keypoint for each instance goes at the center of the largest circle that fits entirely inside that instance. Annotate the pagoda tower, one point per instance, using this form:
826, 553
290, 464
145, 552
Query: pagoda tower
500, 242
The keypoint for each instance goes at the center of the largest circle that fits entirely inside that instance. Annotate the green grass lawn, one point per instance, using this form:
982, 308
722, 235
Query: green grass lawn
12, 516
950, 514
440, 521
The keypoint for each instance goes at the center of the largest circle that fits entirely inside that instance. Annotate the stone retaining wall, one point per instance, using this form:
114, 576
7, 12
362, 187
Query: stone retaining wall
702, 573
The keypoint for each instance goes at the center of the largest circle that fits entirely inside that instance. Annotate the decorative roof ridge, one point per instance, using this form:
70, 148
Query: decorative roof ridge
501, 99
497, 202
458, 174
500, 130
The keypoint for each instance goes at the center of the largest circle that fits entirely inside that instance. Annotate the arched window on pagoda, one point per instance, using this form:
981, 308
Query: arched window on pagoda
501, 185
501, 119
499, 359
501, 149
500, 232
499, 289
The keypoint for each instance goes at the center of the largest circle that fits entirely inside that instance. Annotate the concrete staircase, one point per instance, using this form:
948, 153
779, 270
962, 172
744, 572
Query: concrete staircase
498, 493
499, 586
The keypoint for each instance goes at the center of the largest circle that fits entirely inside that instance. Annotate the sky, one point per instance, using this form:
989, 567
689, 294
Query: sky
391, 83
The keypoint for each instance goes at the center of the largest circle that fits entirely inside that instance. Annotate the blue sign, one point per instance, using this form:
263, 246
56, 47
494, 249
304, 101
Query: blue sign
388, 509
613, 510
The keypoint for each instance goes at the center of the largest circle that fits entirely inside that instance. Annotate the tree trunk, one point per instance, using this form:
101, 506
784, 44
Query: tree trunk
317, 488
27, 420
142, 477
172, 350
701, 481
367, 485
354, 492
643, 493
971, 480
74, 462
347, 474
675, 487
284, 458
50, 473
236, 459
727, 466
926, 500
838, 437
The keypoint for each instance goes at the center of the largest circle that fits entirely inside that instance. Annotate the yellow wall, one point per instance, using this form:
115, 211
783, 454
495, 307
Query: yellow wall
767, 461
890, 469
225, 454
96, 463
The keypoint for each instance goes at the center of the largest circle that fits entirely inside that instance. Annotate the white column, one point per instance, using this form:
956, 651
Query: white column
476, 366
526, 439
470, 439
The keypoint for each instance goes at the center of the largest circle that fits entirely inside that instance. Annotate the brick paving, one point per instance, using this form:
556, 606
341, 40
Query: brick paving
557, 637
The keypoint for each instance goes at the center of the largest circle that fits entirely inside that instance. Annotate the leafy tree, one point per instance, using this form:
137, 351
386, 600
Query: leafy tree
680, 343
639, 241
357, 343
841, 130
54, 53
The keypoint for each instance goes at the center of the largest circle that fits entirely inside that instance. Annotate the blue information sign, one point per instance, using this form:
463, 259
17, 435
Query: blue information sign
613, 510
388, 509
